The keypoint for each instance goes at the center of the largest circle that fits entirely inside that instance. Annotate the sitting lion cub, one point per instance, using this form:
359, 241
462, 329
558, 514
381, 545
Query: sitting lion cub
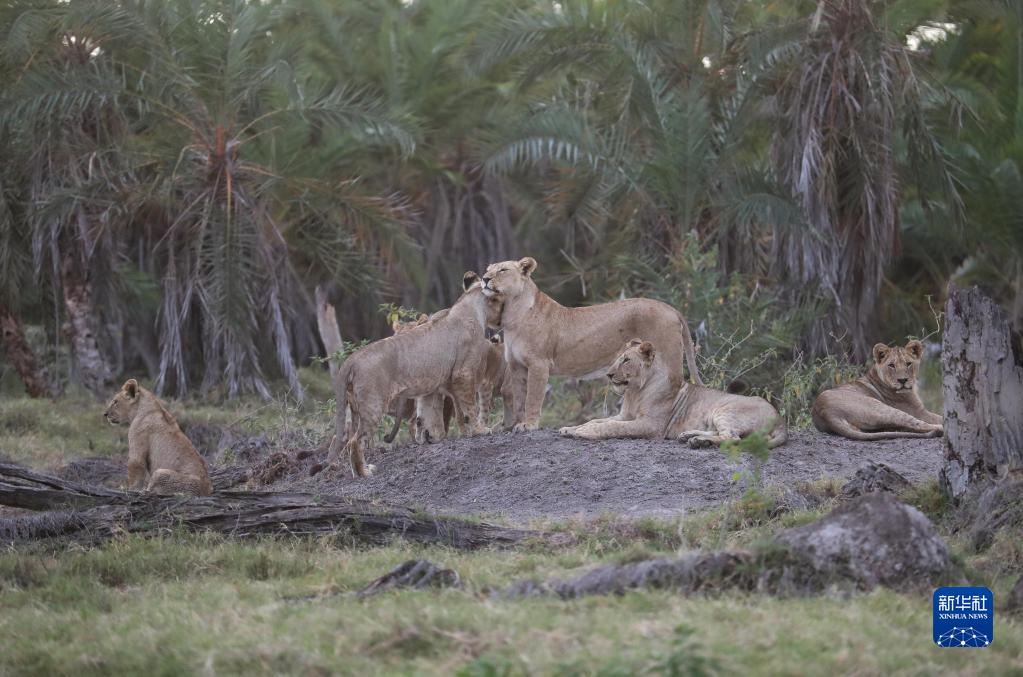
694, 414
157, 449
882, 405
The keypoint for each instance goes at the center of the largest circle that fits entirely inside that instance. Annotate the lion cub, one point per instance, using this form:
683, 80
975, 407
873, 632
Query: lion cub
881, 405
440, 356
157, 449
652, 408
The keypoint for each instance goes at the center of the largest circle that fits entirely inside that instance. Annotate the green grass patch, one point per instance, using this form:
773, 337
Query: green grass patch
186, 603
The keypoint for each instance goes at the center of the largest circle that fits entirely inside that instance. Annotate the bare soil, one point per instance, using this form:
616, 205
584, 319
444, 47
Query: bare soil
522, 476
541, 474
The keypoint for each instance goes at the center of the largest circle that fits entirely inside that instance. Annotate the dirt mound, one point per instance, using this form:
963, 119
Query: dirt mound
540, 474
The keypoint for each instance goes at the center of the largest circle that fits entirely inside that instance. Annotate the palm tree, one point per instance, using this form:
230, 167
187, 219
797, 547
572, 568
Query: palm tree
982, 63
65, 117
845, 94
210, 196
417, 57
636, 130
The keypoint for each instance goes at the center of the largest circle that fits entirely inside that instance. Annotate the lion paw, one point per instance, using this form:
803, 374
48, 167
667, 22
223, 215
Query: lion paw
525, 427
699, 442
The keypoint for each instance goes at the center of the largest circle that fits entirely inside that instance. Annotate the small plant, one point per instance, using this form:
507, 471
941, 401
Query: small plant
803, 381
756, 447
683, 657
342, 353
395, 313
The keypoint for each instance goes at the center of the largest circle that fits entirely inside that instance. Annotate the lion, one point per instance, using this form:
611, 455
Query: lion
544, 338
883, 404
157, 449
430, 416
406, 408
653, 409
440, 356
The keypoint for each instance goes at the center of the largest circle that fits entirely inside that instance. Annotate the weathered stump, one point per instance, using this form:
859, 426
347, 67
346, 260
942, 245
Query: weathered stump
330, 332
982, 361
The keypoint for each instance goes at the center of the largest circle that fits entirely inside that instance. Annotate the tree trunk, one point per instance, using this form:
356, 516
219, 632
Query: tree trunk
330, 333
982, 360
20, 354
92, 513
93, 369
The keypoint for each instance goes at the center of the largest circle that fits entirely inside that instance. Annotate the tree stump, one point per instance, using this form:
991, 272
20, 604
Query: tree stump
330, 332
982, 364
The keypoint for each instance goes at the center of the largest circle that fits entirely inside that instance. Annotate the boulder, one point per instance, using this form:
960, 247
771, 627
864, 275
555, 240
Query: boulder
871, 477
1015, 603
873, 540
996, 507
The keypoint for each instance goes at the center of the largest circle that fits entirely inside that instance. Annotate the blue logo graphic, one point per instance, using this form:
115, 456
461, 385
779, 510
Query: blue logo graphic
963, 617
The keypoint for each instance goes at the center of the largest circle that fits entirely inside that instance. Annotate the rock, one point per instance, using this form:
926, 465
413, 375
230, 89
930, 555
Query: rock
1015, 603
696, 572
873, 540
415, 573
871, 477
999, 506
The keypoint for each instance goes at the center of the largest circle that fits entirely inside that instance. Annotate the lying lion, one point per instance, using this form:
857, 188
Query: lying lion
653, 408
883, 404
544, 338
440, 356
157, 449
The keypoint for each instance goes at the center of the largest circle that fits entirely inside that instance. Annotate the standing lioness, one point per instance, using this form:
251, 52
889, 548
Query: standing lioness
157, 449
882, 405
544, 338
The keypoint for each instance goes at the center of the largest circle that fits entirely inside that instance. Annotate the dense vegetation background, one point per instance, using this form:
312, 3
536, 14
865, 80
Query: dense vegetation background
802, 179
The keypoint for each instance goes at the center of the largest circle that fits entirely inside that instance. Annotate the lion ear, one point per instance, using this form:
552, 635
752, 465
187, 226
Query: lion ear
646, 349
527, 265
131, 388
880, 352
915, 348
634, 342
423, 317
395, 325
469, 279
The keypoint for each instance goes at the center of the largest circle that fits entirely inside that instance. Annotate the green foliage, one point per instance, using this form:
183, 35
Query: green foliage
804, 379
753, 447
395, 313
207, 164
343, 353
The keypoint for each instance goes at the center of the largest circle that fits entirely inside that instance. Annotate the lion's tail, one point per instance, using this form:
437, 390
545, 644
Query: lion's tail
778, 436
341, 382
690, 351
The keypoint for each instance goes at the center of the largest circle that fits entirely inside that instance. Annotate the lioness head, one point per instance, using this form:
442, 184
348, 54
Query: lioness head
508, 278
632, 366
124, 405
494, 305
896, 367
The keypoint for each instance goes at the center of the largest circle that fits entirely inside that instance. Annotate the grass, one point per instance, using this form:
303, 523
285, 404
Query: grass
186, 603
191, 603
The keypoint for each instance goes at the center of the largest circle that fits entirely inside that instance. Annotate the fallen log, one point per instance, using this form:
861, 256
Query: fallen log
97, 513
